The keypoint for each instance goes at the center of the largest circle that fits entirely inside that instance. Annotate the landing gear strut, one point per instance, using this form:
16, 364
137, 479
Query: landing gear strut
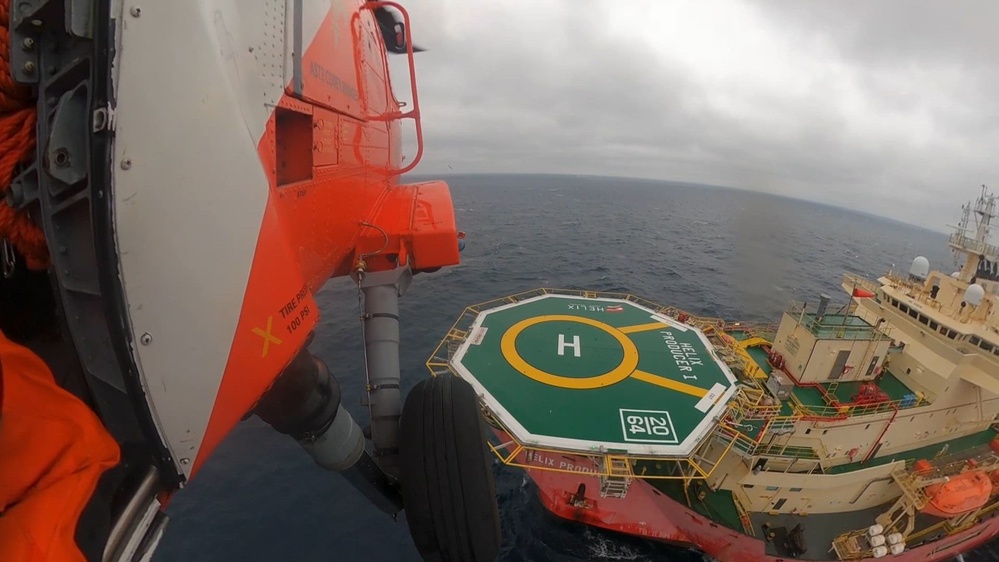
305, 404
430, 456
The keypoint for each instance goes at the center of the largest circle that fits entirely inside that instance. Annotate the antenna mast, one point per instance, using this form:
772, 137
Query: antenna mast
975, 248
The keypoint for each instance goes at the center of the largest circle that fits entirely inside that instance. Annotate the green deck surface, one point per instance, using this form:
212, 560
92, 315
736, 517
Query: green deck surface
719, 506
809, 395
844, 391
643, 383
739, 334
889, 384
759, 356
928, 452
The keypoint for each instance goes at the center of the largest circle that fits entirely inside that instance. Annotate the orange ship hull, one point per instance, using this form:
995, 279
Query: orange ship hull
648, 513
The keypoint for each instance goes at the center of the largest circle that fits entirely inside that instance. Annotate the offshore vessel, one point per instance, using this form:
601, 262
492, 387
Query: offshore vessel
852, 432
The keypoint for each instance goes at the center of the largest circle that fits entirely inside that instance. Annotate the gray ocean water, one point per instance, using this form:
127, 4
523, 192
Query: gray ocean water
716, 252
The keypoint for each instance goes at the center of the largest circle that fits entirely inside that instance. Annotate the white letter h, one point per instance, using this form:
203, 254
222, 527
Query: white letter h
574, 345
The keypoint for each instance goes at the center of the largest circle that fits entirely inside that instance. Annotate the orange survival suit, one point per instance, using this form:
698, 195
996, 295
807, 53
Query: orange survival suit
53, 450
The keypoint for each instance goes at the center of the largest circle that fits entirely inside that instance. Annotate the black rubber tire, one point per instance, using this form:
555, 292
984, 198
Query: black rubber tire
446, 477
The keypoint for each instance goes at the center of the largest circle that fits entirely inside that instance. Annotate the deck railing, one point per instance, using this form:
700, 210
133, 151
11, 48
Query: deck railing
749, 403
767, 331
853, 280
747, 523
752, 448
851, 544
696, 466
438, 362
823, 329
849, 410
961, 241
787, 451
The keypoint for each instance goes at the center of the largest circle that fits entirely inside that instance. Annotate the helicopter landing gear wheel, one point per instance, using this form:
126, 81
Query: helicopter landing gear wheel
447, 483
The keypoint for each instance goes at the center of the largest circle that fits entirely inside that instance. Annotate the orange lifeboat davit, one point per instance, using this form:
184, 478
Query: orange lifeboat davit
964, 492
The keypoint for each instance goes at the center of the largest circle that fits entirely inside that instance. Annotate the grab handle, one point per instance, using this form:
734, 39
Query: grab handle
413, 113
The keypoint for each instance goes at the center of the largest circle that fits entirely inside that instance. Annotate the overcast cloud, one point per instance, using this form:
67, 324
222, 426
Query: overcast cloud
888, 105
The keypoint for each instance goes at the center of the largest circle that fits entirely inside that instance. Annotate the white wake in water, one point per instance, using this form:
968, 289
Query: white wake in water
602, 548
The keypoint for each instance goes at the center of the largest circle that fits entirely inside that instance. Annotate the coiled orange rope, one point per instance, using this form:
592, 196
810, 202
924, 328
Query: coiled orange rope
17, 146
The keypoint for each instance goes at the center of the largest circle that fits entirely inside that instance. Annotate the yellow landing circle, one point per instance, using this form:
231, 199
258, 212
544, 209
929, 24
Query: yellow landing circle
624, 370
627, 367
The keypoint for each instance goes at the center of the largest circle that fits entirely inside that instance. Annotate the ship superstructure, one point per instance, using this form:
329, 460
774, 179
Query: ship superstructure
847, 431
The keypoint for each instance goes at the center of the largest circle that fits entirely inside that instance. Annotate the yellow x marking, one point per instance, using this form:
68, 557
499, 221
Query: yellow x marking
269, 338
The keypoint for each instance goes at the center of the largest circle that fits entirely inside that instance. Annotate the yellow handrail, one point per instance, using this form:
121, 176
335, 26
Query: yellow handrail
747, 523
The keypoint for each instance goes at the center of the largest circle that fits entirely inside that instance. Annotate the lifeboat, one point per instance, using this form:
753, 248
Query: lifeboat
964, 492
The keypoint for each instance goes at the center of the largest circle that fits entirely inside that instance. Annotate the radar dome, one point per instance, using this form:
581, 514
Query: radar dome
973, 295
956, 274
920, 267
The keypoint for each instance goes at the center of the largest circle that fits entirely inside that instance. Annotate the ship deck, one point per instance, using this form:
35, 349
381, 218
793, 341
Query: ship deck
838, 326
819, 528
590, 374
842, 392
823, 398
948, 447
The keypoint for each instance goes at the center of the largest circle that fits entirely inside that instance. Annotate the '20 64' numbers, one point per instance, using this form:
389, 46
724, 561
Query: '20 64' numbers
648, 426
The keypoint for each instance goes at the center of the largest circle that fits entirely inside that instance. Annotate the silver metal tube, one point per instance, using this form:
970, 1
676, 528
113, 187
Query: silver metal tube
381, 346
340, 446
126, 522
304, 402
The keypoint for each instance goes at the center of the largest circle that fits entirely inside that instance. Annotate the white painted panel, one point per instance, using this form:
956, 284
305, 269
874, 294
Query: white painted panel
196, 83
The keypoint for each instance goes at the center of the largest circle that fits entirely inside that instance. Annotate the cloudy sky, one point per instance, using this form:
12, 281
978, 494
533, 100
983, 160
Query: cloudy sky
889, 105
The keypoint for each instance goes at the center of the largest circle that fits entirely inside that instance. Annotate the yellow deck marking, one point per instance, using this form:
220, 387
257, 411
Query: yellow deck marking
269, 338
670, 384
642, 328
617, 374
627, 367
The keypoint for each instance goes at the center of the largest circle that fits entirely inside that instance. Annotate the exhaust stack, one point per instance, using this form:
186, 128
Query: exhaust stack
823, 305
